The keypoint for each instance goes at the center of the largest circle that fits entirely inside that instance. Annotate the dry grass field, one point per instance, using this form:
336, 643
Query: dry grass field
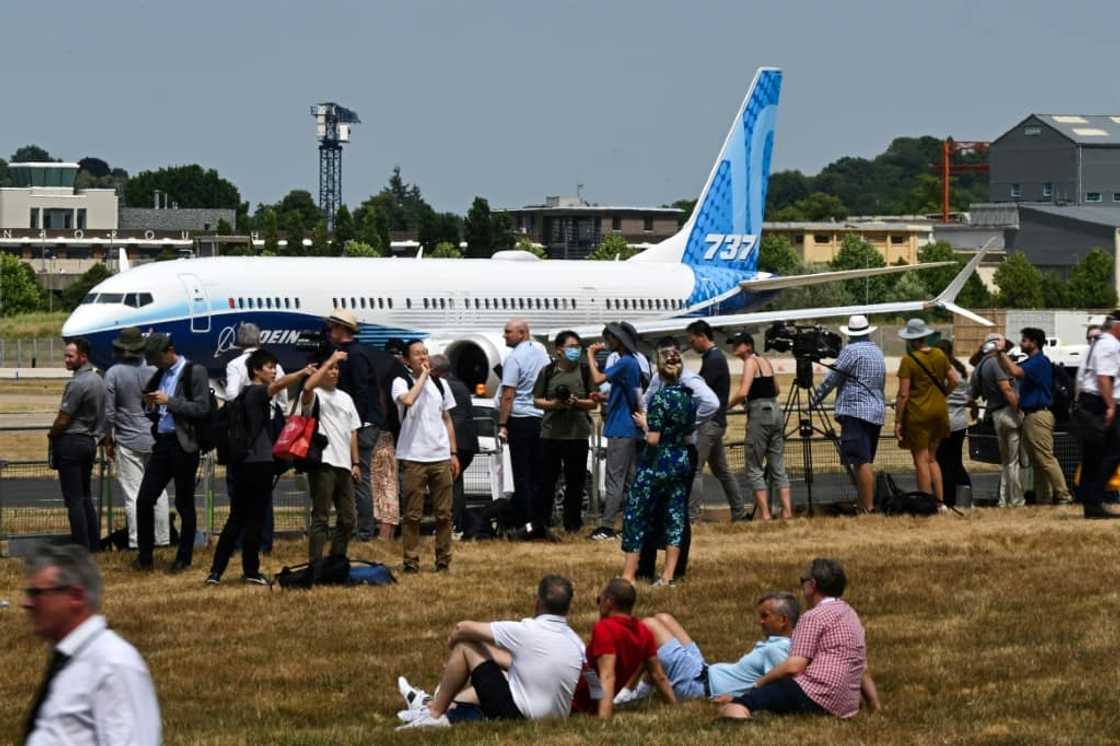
996, 628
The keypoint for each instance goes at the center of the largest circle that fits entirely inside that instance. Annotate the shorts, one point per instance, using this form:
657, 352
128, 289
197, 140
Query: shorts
385, 481
494, 696
859, 441
781, 697
683, 665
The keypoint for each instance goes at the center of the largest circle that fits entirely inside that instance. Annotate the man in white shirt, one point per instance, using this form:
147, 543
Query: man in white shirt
1098, 383
97, 689
428, 455
542, 656
332, 481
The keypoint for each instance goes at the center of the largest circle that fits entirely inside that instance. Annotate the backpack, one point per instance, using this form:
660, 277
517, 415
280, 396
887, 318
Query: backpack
370, 573
396, 426
1061, 400
330, 570
206, 427
891, 500
233, 438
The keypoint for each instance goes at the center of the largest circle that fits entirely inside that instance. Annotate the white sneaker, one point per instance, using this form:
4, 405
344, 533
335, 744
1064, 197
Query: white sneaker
407, 716
642, 690
427, 721
414, 698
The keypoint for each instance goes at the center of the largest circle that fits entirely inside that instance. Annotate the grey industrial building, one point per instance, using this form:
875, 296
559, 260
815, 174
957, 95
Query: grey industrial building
1061, 159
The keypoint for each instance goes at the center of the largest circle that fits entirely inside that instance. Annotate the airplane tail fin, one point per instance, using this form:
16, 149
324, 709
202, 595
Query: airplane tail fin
726, 224
122, 260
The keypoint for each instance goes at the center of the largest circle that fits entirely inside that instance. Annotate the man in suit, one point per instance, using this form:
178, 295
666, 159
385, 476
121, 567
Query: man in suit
466, 433
177, 399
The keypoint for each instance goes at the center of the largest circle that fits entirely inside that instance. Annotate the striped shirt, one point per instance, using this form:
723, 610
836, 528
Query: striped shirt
859, 381
831, 637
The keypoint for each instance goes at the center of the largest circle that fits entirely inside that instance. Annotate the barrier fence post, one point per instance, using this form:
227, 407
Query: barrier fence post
596, 442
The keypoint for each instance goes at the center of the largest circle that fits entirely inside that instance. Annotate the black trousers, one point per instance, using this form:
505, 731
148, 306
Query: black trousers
169, 462
248, 510
567, 457
1099, 456
950, 457
458, 491
647, 560
530, 505
73, 458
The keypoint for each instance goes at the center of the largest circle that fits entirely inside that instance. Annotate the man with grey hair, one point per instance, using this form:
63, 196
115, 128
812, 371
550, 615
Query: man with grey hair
693, 678
97, 689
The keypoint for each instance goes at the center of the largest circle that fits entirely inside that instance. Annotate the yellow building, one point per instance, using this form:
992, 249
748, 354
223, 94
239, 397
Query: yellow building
819, 243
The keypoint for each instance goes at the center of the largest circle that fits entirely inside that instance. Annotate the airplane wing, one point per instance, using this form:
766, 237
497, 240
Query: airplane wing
945, 301
797, 281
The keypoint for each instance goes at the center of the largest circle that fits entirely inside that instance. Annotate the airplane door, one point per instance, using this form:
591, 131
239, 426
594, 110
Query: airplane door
461, 310
197, 303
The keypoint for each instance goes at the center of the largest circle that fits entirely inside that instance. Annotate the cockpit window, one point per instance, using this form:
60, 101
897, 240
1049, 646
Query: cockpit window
90, 298
130, 300
110, 298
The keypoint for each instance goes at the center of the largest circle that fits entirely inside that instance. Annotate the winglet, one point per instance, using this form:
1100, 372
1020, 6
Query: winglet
122, 260
946, 300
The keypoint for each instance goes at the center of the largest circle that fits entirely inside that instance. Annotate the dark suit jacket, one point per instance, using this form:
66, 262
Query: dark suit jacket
462, 417
186, 412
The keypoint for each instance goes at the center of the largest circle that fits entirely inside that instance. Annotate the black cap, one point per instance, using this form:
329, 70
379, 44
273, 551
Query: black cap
157, 343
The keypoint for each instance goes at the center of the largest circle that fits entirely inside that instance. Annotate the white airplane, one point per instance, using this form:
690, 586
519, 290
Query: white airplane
707, 270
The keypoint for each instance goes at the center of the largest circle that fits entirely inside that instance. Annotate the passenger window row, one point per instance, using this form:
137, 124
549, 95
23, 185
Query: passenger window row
272, 303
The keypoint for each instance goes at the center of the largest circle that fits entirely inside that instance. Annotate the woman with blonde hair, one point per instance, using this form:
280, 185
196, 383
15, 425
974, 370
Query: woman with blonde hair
663, 471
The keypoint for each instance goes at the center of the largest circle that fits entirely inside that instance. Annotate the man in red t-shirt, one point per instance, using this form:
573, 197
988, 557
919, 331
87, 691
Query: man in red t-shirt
621, 650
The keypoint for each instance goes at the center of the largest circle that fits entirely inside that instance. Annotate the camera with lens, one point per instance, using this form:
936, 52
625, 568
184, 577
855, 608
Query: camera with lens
809, 342
563, 393
316, 344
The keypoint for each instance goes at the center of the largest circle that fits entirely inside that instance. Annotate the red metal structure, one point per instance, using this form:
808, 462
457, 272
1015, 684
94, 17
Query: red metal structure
952, 147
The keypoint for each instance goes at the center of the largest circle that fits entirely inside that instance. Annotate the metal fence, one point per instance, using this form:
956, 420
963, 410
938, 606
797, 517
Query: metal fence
36, 352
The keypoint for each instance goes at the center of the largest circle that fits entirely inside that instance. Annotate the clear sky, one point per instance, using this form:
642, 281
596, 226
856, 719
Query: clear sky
516, 100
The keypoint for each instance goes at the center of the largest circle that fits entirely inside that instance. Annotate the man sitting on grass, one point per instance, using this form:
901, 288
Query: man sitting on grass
542, 657
826, 671
621, 650
693, 678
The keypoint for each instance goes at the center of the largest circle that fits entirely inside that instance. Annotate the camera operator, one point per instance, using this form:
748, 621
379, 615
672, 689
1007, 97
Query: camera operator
563, 390
996, 387
859, 377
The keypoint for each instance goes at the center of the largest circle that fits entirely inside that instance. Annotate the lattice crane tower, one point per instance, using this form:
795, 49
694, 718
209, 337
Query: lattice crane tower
332, 128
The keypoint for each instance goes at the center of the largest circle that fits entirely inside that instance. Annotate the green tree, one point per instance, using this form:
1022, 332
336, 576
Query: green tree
359, 249
268, 222
445, 250
294, 232
612, 247
524, 243
777, 255
478, 230
5, 177
1055, 293
20, 291
186, 186
224, 228
784, 189
906, 286
1019, 283
31, 154
320, 241
1092, 282
72, 296
344, 228
95, 167
818, 206
298, 202
688, 205
974, 294
858, 254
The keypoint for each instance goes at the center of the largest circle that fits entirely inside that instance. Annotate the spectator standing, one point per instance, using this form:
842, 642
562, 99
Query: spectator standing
925, 379
621, 650
996, 386
178, 399
706, 403
826, 671
385, 477
333, 479
859, 377
253, 475
525, 670
358, 379
709, 434
766, 438
1099, 391
466, 433
950, 453
73, 443
237, 379
97, 689
563, 392
623, 436
128, 431
663, 471
1036, 395
519, 424
427, 451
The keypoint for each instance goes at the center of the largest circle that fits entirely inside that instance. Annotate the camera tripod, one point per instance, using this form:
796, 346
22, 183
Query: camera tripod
811, 418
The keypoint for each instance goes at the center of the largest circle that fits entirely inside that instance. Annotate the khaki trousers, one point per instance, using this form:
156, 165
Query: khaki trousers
420, 477
1038, 440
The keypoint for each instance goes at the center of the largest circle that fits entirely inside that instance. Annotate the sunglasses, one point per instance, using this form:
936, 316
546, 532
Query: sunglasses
34, 593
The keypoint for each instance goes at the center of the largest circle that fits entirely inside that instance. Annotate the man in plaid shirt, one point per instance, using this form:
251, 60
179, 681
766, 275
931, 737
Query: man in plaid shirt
826, 672
859, 377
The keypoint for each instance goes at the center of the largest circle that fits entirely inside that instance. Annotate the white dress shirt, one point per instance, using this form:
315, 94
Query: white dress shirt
103, 695
237, 378
1103, 359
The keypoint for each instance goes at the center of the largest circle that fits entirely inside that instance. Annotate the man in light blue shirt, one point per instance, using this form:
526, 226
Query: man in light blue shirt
519, 422
167, 385
693, 678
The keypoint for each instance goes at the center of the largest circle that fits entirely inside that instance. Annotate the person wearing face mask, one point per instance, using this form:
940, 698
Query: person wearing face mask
563, 391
